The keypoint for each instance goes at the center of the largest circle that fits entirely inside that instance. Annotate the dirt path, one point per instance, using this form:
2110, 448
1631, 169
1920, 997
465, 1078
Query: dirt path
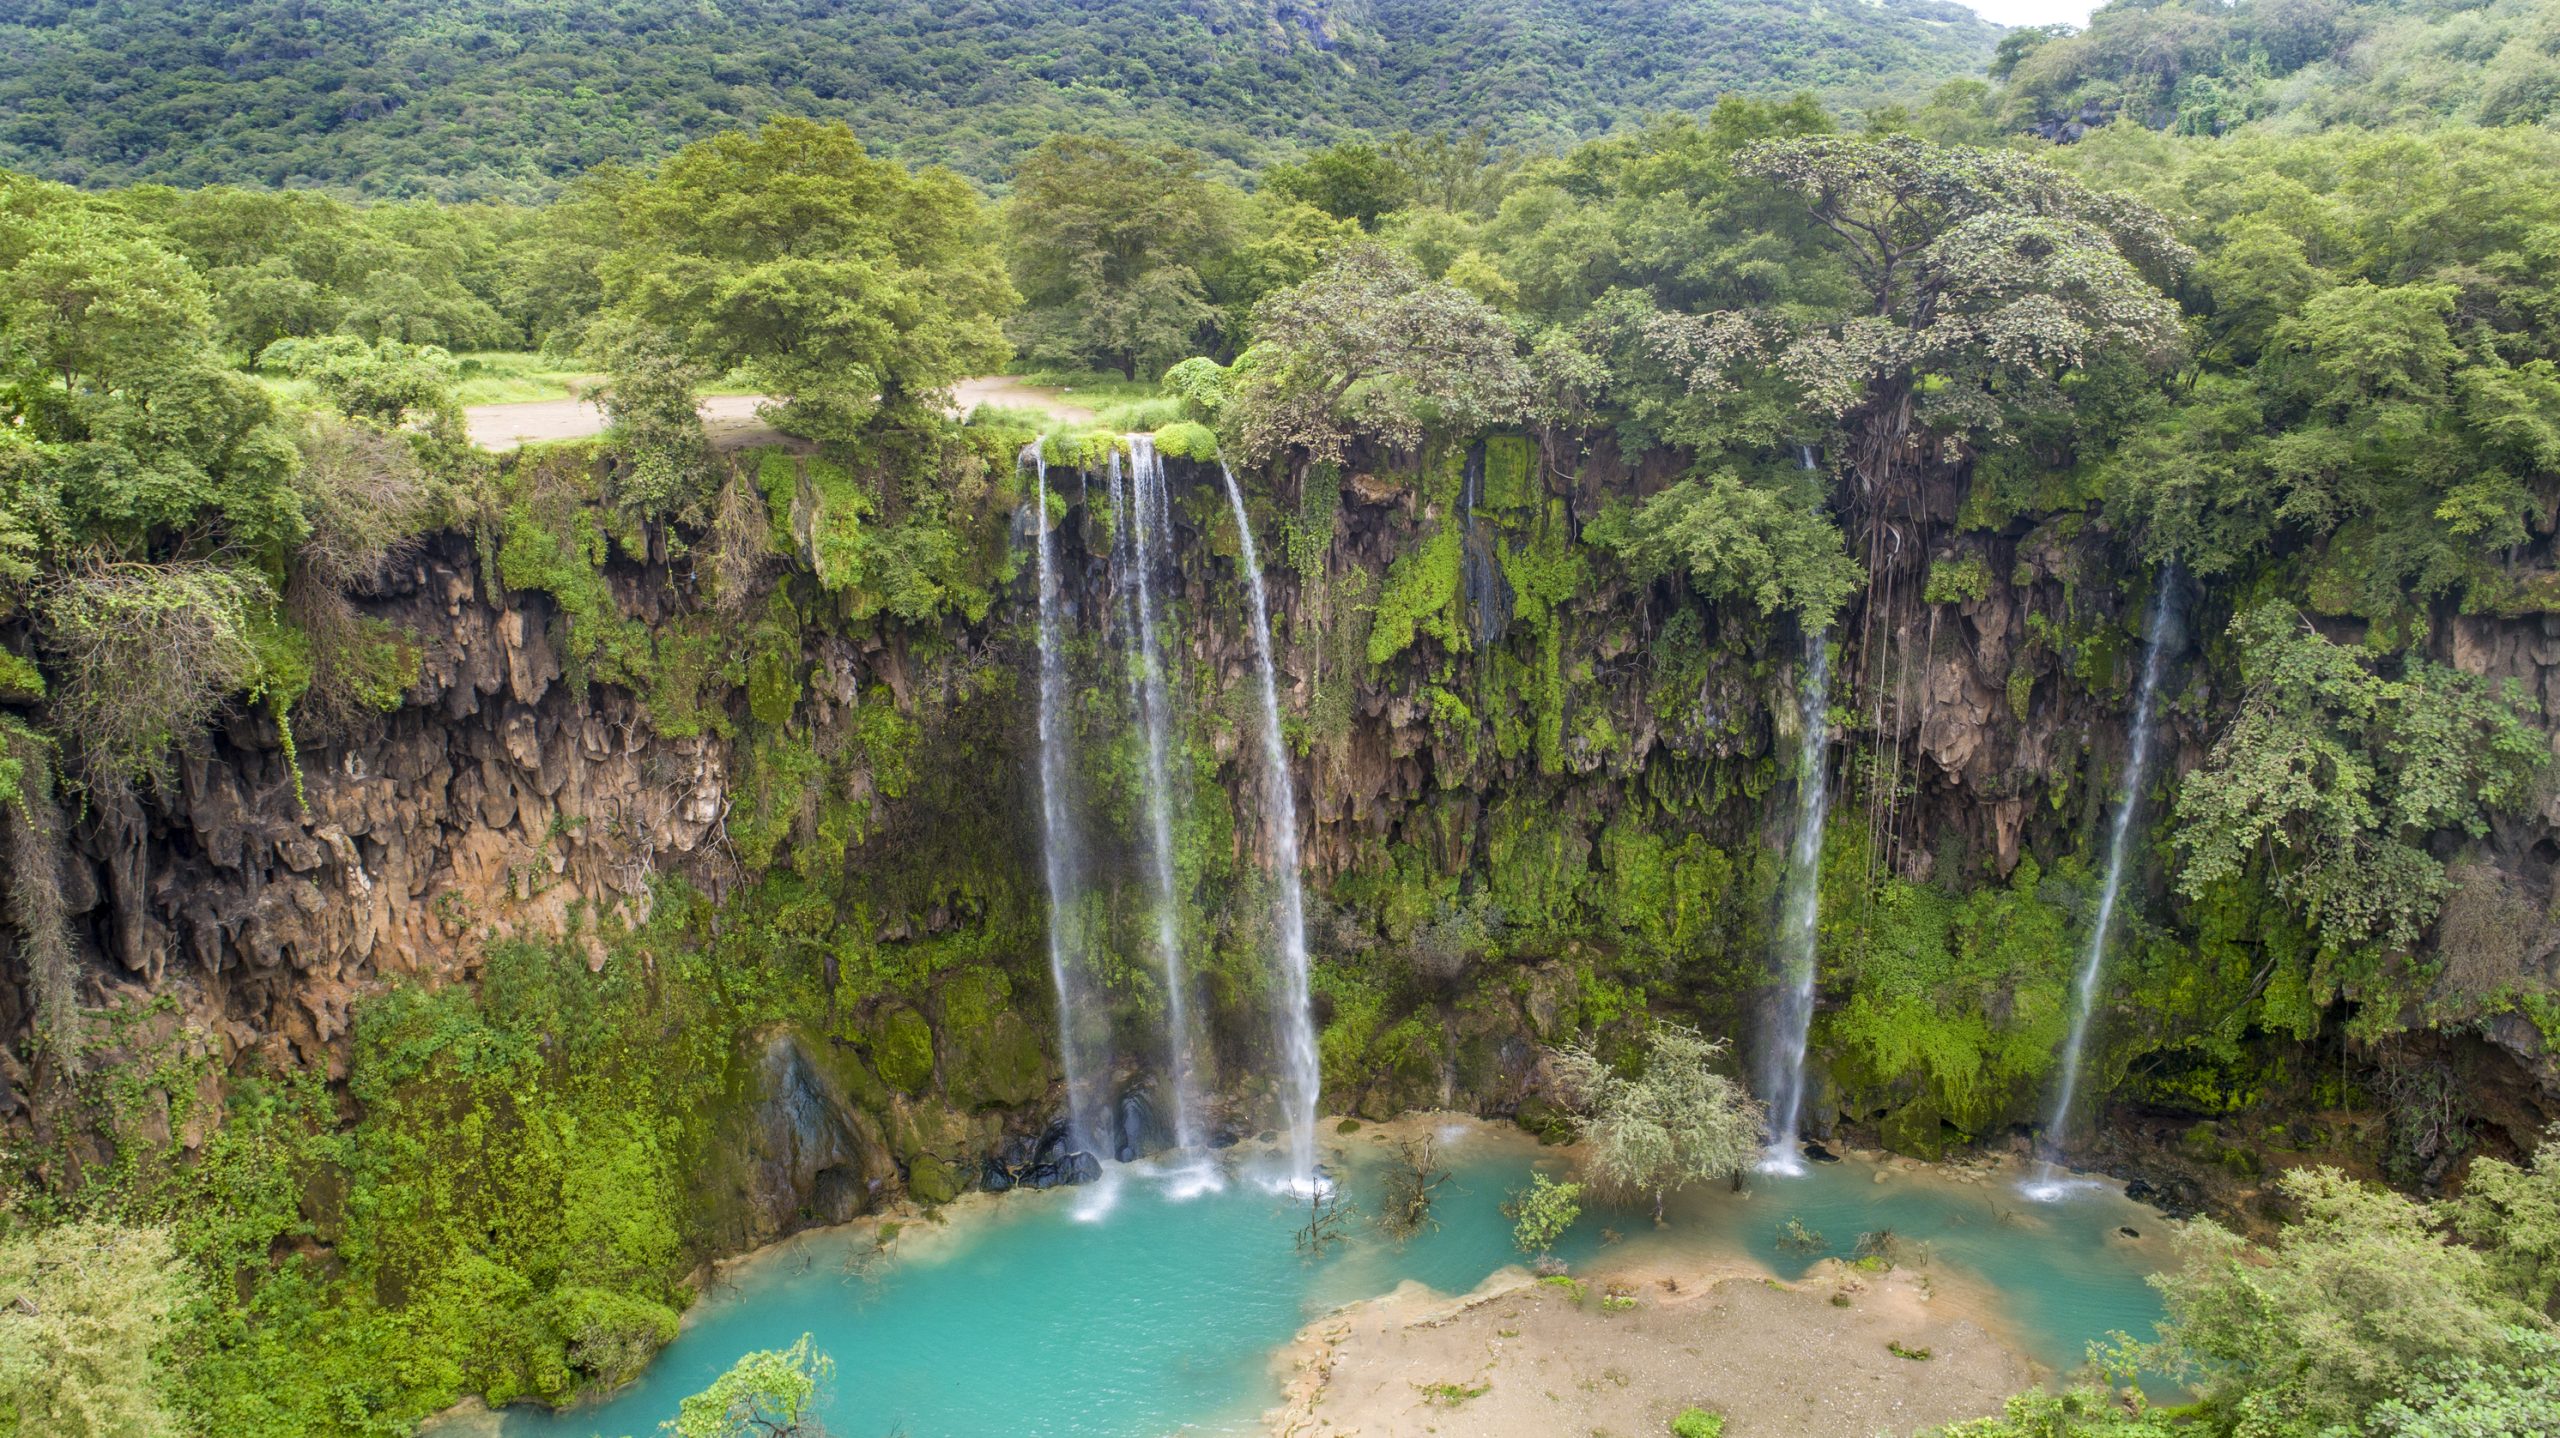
730, 418
505, 426
1010, 392
1521, 1359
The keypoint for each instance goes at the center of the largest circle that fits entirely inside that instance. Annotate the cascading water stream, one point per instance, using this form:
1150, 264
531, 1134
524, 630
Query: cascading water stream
2084, 988
1301, 1079
1079, 1033
1141, 540
1800, 907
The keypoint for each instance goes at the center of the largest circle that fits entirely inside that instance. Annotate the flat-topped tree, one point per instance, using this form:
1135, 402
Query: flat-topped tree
1986, 277
844, 285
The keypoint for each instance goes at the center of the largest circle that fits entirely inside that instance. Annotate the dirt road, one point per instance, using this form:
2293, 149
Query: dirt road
726, 416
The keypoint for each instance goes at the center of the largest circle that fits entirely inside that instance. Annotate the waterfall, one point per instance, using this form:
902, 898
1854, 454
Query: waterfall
1078, 1017
1799, 907
1141, 542
1295, 1020
2093, 959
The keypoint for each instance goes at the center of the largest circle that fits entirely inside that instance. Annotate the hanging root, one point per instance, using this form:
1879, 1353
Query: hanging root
34, 828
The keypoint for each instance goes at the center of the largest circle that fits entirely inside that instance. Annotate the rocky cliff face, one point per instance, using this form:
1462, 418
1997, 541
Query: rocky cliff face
1539, 795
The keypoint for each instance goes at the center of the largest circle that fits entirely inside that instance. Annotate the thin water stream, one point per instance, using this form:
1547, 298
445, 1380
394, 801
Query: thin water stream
1799, 913
1295, 1019
2093, 961
1082, 1033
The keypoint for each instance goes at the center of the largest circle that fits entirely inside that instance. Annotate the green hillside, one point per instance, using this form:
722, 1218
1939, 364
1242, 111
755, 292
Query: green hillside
475, 99
2204, 67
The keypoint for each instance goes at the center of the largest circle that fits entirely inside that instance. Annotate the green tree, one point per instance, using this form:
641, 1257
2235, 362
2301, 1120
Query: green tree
2356, 1300
1673, 1122
1109, 243
2512, 1215
85, 1312
1769, 544
2336, 776
1353, 180
766, 1394
1370, 347
1984, 279
842, 285
389, 382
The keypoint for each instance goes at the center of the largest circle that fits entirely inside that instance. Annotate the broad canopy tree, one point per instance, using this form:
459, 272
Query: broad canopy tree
842, 285
1111, 244
1984, 278
1369, 346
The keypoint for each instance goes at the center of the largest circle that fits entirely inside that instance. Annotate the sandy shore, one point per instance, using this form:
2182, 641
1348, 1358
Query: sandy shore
1524, 1359
1654, 1329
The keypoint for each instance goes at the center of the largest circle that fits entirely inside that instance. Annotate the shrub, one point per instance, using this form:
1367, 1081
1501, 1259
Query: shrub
1697, 1423
146, 653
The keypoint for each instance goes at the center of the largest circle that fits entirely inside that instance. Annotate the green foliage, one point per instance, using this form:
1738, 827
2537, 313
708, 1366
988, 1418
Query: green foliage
1674, 1122
2358, 1298
1957, 580
86, 1313
765, 1394
1368, 346
1542, 1212
1969, 994
1697, 1423
2335, 775
2215, 70
413, 100
1185, 439
1108, 243
840, 284
1769, 545
388, 382
145, 654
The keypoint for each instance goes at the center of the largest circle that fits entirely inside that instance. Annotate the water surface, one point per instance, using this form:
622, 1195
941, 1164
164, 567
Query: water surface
1034, 1313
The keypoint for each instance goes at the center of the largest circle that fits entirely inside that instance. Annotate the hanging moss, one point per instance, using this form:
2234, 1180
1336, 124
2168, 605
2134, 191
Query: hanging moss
1421, 594
1507, 461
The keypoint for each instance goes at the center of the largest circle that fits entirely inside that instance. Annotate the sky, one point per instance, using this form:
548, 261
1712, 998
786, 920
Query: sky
2033, 12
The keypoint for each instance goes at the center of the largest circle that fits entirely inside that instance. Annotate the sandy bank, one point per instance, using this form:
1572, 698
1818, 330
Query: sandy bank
1524, 1359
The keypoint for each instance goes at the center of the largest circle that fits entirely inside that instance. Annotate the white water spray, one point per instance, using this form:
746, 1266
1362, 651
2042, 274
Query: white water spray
1141, 541
2093, 960
1078, 1036
1301, 1079
1799, 910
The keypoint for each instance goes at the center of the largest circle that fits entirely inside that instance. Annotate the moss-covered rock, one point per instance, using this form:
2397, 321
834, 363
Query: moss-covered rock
1187, 440
1546, 1118
1915, 1130
902, 1048
991, 1058
932, 1179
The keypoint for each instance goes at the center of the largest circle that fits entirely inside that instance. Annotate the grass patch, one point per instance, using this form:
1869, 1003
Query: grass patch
1899, 1349
1146, 415
517, 377
1697, 1423
1450, 1395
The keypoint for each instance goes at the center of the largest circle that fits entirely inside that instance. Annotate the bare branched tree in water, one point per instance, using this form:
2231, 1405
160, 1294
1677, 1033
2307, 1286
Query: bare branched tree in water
1404, 1209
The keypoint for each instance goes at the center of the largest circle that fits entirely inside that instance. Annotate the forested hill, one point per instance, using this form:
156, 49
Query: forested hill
483, 99
2206, 67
